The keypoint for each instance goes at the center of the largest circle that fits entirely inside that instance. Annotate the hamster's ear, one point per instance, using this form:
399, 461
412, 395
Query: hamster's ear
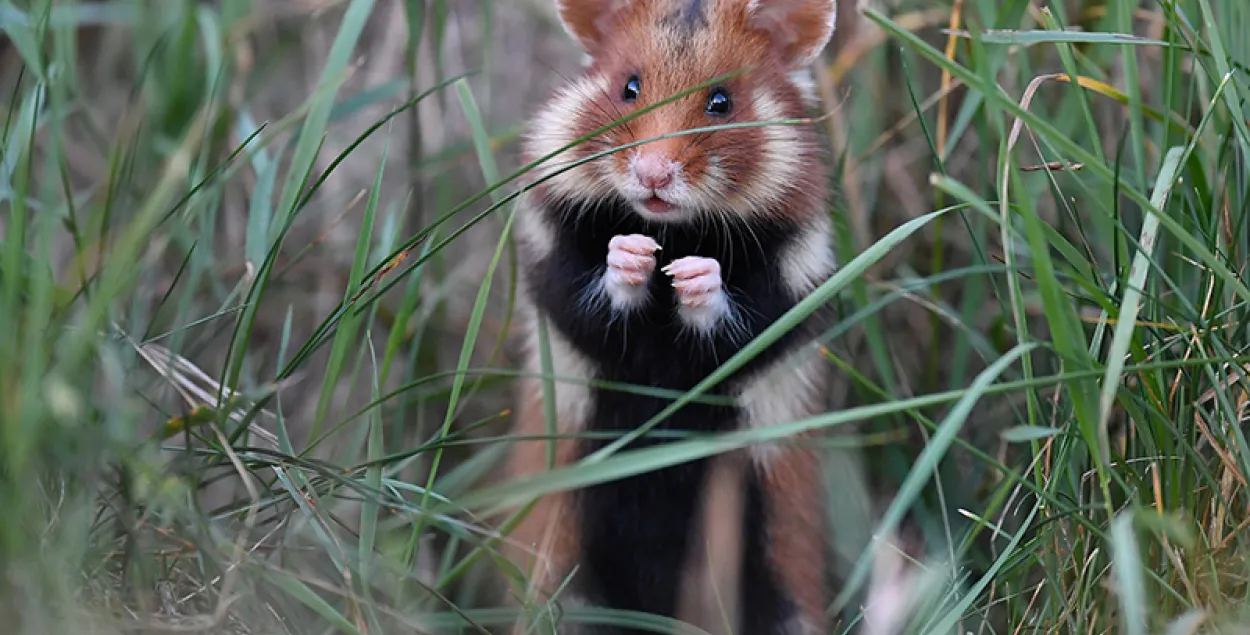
799, 29
586, 19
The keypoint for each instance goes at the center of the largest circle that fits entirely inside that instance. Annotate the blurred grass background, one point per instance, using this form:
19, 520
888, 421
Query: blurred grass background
255, 282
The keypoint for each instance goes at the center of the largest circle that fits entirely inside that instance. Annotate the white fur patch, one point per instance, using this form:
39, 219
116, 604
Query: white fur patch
573, 398
705, 319
805, 83
781, 157
808, 261
787, 392
624, 297
552, 129
533, 231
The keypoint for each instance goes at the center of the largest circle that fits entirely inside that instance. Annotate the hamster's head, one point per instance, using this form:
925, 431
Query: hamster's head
642, 52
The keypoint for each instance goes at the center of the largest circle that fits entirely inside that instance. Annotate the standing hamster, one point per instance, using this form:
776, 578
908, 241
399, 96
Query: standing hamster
654, 265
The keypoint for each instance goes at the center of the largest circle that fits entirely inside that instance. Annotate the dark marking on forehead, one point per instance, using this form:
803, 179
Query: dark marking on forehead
689, 16
694, 14
676, 27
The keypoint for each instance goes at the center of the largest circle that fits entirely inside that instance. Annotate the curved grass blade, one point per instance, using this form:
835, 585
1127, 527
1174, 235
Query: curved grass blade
1126, 561
1130, 304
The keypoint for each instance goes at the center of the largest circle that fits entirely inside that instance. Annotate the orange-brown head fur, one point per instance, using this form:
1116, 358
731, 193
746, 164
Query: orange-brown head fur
645, 51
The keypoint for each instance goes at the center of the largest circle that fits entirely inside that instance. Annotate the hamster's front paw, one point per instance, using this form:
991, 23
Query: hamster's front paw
700, 290
631, 261
696, 279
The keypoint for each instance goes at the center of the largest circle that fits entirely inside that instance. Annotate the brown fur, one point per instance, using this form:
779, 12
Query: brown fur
711, 585
543, 544
792, 485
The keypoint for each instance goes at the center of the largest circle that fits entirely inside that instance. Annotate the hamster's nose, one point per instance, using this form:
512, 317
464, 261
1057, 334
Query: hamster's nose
653, 170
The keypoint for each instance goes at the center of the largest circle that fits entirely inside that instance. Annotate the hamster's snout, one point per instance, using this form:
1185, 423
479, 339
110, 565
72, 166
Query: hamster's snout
653, 170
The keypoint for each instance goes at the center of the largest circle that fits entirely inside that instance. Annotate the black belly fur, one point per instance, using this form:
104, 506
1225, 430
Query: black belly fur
636, 531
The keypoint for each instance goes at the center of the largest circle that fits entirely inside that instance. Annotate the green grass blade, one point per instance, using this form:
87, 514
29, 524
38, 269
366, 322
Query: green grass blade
1128, 574
345, 339
1028, 38
1130, 303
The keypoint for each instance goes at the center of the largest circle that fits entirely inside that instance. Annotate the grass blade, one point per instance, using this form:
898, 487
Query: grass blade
1130, 304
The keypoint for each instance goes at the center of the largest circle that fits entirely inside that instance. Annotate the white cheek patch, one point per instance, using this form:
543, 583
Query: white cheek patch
552, 129
789, 391
809, 260
780, 157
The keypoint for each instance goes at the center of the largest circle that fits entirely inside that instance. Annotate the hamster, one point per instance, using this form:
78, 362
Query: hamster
654, 265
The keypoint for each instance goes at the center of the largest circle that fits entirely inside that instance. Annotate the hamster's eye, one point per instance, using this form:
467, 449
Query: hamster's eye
632, 87
718, 103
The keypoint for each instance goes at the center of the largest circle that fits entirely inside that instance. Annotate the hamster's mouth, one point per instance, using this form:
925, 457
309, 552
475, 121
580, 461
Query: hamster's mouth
657, 205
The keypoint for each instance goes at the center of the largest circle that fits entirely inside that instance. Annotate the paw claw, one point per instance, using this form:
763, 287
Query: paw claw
696, 279
634, 244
